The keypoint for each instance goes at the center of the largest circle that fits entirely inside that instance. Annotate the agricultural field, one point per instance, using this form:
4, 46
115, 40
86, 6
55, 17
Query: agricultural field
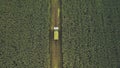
91, 33
24, 35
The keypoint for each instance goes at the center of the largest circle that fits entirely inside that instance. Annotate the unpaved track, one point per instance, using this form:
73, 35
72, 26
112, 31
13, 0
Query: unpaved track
55, 46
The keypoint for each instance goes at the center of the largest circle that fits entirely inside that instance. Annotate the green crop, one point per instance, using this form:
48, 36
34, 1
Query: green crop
90, 33
24, 35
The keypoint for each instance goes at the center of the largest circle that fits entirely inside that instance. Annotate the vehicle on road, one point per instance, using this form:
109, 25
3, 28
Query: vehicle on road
56, 33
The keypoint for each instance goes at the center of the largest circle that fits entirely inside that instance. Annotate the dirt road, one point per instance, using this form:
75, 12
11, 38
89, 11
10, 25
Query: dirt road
55, 45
